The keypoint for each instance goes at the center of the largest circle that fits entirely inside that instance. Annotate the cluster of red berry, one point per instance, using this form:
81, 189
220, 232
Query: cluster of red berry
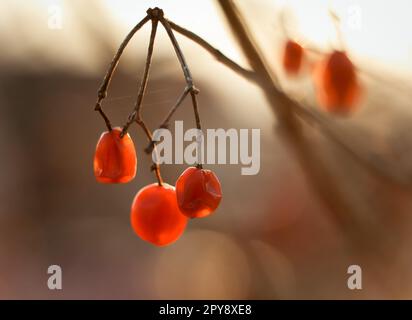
336, 81
159, 211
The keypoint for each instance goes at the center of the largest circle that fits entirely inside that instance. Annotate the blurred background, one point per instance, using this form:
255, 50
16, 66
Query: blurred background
272, 236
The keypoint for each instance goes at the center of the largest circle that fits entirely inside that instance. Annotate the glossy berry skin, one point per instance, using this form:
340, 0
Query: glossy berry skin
198, 192
337, 84
292, 57
115, 158
155, 215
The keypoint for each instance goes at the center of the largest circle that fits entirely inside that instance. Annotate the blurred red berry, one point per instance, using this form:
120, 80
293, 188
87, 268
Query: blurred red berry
155, 215
337, 84
198, 192
292, 57
115, 158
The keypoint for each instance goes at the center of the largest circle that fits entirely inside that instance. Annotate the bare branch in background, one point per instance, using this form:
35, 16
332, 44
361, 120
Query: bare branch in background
327, 189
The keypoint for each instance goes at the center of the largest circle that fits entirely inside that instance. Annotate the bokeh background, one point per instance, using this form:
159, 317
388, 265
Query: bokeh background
272, 237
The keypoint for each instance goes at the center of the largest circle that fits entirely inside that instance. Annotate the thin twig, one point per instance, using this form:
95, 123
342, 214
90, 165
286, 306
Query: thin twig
165, 123
154, 15
199, 128
102, 92
248, 74
188, 76
155, 166
136, 114
179, 53
179, 101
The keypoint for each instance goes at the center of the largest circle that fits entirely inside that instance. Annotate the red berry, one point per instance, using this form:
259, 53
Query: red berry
115, 158
292, 57
155, 215
337, 84
198, 192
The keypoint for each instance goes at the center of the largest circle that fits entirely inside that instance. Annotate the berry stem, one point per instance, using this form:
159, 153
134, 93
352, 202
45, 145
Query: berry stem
188, 76
179, 101
186, 71
102, 92
136, 113
154, 15
155, 167
198, 126
165, 123
98, 108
